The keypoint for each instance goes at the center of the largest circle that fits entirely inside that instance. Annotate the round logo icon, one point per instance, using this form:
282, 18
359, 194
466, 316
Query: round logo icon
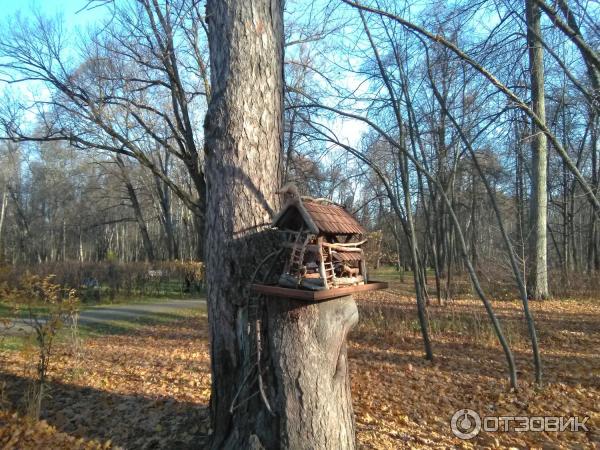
465, 424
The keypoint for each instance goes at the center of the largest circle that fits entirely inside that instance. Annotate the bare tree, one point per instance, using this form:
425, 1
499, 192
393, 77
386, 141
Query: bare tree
133, 86
538, 267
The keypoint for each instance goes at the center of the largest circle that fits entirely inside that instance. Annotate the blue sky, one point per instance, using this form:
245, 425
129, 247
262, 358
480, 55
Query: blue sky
75, 18
68, 8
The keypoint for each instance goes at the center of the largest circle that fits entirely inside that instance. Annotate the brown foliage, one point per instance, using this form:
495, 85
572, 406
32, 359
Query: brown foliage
58, 307
403, 401
18, 433
154, 386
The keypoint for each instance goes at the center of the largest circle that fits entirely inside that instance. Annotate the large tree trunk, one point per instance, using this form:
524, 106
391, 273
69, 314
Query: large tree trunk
538, 268
294, 392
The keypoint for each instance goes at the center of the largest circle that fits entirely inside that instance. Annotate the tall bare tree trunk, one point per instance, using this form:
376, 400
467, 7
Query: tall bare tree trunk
163, 194
593, 71
81, 252
292, 391
3, 203
538, 268
408, 222
594, 246
137, 209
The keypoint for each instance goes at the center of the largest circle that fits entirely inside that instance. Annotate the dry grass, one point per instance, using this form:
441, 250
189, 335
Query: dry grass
401, 400
141, 387
151, 388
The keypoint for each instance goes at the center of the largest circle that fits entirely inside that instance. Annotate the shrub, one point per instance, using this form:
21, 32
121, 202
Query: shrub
45, 307
109, 279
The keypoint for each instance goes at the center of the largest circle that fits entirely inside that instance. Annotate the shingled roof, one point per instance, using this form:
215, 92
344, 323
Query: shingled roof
319, 218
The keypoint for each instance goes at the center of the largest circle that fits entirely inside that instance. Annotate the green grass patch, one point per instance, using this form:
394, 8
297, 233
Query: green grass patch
7, 311
119, 325
390, 272
105, 294
128, 325
13, 343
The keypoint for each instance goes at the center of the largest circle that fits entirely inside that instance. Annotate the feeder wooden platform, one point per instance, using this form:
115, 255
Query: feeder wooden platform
316, 296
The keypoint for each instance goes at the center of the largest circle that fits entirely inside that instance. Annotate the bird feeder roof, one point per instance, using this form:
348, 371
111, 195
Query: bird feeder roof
319, 218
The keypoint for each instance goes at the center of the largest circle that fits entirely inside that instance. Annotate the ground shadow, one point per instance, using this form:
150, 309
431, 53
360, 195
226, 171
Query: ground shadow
128, 421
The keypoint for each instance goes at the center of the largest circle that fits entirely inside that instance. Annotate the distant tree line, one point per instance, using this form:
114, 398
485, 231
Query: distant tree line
59, 204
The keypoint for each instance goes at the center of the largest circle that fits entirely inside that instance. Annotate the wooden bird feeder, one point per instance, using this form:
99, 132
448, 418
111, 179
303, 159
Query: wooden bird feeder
325, 259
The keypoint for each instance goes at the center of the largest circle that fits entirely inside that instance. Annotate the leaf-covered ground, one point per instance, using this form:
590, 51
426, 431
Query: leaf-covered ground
401, 400
149, 386
135, 385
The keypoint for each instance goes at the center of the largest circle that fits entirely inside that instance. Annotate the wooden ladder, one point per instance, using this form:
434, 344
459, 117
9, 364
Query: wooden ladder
298, 250
328, 263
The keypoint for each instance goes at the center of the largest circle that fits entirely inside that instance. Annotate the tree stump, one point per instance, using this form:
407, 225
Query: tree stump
306, 380
309, 360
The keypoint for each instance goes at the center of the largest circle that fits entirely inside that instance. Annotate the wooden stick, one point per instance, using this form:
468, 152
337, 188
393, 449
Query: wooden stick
349, 244
345, 249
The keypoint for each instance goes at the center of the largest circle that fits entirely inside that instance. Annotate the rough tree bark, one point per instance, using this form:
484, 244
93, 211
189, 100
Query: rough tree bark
302, 397
538, 268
